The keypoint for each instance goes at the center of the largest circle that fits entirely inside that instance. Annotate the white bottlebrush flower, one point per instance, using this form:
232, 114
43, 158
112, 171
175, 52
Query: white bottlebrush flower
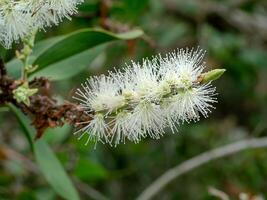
138, 81
14, 23
63, 8
42, 15
100, 94
20, 18
119, 130
142, 99
182, 67
181, 70
188, 104
144, 79
96, 129
146, 119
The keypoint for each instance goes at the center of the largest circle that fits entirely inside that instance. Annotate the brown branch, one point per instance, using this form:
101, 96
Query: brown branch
43, 110
105, 6
6, 85
45, 113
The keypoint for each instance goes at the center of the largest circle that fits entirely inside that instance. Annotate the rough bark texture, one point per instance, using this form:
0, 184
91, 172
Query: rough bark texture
43, 110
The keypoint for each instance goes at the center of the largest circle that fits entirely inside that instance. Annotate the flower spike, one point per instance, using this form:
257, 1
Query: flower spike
143, 99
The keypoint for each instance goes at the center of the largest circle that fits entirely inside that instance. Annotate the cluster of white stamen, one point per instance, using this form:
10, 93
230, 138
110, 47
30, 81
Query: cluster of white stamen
143, 99
19, 18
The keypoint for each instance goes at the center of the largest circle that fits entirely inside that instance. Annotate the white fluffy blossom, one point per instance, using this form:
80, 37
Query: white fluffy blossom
20, 18
143, 99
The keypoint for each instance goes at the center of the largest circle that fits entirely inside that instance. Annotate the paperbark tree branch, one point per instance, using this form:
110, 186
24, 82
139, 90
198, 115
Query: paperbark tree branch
44, 110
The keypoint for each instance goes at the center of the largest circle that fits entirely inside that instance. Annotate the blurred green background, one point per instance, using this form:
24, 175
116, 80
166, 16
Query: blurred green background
234, 34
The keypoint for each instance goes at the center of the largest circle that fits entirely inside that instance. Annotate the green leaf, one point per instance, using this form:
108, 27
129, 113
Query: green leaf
80, 61
65, 56
54, 172
25, 125
4, 109
58, 134
78, 42
14, 68
48, 163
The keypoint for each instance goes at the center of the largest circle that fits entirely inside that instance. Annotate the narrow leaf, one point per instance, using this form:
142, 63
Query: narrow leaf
25, 125
47, 161
72, 65
54, 172
78, 42
4, 109
65, 56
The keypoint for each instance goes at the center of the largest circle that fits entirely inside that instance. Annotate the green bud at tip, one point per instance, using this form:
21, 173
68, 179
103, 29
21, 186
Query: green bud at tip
211, 75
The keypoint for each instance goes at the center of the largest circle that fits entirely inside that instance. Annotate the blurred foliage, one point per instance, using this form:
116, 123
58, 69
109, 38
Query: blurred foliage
234, 33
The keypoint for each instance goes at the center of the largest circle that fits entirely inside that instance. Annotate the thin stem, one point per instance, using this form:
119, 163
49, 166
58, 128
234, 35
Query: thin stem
24, 55
88, 190
198, 161
24, 68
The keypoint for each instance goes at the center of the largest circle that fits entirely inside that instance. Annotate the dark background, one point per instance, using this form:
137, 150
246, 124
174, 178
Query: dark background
234, 34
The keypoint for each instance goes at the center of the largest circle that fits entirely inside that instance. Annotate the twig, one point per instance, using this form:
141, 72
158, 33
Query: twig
217, 193
198, 161
43, 109
88, 190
